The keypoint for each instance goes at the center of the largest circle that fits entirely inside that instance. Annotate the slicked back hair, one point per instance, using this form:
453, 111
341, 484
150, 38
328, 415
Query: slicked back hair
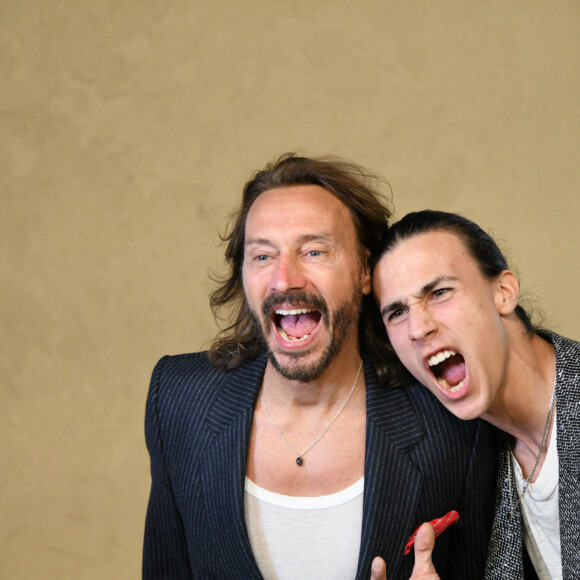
480, 245
241, 338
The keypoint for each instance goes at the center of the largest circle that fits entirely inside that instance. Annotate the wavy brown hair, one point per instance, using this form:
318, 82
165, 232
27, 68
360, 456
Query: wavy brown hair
241, 339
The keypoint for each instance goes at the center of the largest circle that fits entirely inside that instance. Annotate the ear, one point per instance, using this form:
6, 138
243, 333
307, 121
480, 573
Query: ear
507, 292
365, 275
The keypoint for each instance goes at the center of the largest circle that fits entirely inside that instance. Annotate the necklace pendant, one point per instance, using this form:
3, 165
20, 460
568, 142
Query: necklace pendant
299, 459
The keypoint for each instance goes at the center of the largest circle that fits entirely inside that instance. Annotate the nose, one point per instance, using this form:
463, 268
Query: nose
288, 275
420, 324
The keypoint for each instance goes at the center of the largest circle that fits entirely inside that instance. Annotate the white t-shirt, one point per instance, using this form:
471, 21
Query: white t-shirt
305, 537
541, 515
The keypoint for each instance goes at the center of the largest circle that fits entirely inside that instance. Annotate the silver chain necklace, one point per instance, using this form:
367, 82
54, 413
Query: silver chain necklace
543, 443
542, 447
300, 456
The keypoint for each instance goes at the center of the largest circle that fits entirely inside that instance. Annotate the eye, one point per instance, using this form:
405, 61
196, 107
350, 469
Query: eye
316, 251
395, 315
440, 291
260, 258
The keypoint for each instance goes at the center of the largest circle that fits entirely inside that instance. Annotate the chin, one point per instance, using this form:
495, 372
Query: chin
297, 367
464, 412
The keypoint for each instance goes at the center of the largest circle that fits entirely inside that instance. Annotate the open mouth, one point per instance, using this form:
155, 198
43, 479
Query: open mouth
448, 368
296, 317
296, 324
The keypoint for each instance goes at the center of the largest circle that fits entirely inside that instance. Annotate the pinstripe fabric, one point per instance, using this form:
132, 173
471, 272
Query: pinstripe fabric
505, 560
421, 462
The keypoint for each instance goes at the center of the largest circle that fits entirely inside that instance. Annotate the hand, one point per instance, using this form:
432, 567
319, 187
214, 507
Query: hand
423, 569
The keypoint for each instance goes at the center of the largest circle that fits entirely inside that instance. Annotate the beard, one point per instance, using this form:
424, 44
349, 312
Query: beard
340, 324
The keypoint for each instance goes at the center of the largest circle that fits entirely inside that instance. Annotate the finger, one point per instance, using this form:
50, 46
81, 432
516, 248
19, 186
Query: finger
378, 569
424, 544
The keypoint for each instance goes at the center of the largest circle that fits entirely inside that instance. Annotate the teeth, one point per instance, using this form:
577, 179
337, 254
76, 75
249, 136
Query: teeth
440, 357
289, 338
446, 386
294, 311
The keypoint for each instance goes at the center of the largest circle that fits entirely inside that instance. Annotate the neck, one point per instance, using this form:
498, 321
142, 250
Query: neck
309, 438
323, 392
521, 404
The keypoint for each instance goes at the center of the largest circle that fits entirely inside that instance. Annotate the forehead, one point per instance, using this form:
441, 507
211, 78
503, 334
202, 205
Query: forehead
415, 260
296, 210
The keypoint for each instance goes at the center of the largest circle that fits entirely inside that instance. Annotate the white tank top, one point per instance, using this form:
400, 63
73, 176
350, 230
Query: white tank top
305, 537
541, 514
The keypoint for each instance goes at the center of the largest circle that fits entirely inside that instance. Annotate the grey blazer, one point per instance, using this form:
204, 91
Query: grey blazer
505, 561
420, 463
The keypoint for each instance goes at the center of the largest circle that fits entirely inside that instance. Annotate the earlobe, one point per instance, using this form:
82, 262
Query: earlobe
366, 281
507, 292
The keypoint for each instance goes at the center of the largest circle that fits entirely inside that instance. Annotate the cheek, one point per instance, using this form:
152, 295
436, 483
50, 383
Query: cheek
401, 346
254, 279
413, 365
251, 289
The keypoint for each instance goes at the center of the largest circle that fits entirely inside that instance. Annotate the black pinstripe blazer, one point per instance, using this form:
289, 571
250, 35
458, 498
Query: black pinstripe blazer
420, 463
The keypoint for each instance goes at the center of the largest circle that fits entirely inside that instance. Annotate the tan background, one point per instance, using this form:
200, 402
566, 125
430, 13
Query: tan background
127, 129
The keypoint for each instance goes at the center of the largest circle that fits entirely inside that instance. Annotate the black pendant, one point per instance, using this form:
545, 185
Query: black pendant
299, 461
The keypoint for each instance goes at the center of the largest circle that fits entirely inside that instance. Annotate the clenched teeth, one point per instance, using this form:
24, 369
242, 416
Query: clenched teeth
440, 357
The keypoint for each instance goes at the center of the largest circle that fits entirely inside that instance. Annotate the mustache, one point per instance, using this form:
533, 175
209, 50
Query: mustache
295, 299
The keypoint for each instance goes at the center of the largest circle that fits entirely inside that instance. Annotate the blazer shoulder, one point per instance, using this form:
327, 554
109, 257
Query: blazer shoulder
567, 351
184, 380
190, 366
189, 384
178, 384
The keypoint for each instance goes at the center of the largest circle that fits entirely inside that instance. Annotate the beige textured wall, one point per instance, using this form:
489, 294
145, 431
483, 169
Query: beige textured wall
127, 128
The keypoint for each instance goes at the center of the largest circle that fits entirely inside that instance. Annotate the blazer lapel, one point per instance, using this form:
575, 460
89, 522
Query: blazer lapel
223, 467
392, 482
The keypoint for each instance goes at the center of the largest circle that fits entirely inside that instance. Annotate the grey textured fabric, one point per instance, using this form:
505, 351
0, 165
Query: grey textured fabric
420, 462
505, 559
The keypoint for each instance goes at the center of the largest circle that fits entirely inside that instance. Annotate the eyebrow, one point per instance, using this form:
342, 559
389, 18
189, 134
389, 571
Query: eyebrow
320, 237
425, 289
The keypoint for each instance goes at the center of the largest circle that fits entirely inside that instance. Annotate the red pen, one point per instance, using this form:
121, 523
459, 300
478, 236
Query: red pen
439, 525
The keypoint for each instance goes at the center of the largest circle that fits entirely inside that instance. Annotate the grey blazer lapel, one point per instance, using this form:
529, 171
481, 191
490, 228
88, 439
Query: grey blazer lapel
223, 467
505, 556
392, 482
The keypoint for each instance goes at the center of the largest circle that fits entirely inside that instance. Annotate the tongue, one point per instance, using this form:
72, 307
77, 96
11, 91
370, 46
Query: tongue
298, 325
453, 370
